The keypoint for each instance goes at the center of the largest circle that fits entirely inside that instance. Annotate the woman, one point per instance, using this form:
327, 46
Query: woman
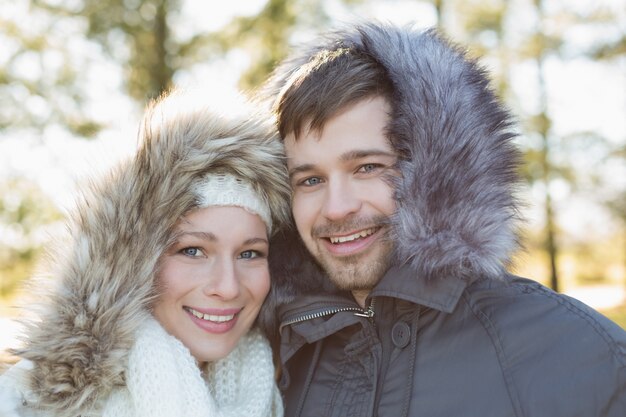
157, 289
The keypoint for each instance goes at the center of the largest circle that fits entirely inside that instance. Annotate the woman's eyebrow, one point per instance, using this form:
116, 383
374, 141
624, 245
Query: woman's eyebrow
208, 236
255, 240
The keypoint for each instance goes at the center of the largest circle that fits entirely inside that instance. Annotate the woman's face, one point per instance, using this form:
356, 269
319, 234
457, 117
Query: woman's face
213, 280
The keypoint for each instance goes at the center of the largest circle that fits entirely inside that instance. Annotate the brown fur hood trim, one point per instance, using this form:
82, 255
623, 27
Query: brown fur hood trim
457, 216
105, 277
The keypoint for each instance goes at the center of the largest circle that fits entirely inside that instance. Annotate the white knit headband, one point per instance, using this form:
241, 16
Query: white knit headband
228, 190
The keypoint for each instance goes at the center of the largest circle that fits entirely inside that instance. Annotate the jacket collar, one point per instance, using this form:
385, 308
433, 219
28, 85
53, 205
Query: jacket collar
440, 293
398, 282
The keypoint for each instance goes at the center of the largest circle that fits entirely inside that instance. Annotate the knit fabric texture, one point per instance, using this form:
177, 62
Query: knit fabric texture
228, 190
164, 380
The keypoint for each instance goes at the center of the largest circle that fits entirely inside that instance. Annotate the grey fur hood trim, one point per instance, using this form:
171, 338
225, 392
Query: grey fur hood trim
457, 216
105, 277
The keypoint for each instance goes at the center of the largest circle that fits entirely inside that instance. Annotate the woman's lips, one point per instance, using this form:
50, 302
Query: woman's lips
213, 320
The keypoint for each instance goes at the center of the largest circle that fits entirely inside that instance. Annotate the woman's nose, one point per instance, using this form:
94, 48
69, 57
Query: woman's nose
222, 280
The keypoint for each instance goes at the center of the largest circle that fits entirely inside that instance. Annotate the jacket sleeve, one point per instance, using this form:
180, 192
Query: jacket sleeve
559, 356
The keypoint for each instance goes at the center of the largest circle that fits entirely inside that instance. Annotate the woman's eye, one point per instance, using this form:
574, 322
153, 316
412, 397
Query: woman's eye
192, 251
249, 254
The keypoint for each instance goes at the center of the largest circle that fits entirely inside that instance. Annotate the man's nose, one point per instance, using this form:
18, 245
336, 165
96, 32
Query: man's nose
341, 200
222, 280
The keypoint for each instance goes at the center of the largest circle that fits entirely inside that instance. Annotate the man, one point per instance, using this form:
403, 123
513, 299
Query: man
403, 171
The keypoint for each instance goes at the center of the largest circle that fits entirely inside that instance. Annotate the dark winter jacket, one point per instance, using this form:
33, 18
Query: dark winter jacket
448, 332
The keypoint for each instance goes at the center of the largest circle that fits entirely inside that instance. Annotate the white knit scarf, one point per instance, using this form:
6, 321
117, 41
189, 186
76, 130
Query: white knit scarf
163, 380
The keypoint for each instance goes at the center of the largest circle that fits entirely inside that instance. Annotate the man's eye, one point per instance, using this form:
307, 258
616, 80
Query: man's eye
311, 181
191, 251
368, 168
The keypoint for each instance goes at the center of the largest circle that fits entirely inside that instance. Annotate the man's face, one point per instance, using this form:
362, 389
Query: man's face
341, 199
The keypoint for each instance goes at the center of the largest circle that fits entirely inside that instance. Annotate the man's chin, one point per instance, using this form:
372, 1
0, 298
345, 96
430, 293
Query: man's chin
355, 275
359, 272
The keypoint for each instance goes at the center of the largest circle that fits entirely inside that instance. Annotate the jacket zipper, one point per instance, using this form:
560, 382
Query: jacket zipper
367, 312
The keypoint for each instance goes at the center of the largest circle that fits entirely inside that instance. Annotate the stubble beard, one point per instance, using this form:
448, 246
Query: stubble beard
361, 271
356, 273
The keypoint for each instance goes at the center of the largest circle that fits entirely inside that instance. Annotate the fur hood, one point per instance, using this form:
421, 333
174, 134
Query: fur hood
456, 212
104, 276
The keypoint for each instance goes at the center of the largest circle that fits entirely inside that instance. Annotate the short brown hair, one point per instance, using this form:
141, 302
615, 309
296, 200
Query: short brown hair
330, 81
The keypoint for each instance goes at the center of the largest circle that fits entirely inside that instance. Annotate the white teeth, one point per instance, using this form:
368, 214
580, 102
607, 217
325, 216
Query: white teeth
218, 319
350, 238
210, 317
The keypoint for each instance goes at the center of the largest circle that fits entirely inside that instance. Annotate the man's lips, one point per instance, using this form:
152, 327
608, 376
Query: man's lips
353, 236
351, 243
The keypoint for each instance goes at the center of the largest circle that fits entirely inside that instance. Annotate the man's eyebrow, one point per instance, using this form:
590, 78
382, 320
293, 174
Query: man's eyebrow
364, 153
345, 157
301, 168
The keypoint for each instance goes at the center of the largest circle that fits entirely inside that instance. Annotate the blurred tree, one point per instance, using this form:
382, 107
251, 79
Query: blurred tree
136, 35
614, 50
617, 202
542, 125
486, 27
265, 36
268, 35
482, 25
554, 160
40, 79
23, 210
610, 50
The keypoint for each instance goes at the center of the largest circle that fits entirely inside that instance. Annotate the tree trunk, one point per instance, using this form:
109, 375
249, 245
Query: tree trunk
544, 130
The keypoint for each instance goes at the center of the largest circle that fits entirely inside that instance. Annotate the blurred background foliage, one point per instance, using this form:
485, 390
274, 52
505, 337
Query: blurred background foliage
55, 54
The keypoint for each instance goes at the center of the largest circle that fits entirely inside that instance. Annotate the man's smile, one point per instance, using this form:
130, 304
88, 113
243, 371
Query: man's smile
352, 244
353, 236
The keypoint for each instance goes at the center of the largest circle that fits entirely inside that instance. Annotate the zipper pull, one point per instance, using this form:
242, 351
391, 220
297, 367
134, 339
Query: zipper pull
369, 312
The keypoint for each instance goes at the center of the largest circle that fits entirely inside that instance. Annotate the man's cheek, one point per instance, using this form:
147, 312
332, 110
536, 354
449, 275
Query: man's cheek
302, 214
